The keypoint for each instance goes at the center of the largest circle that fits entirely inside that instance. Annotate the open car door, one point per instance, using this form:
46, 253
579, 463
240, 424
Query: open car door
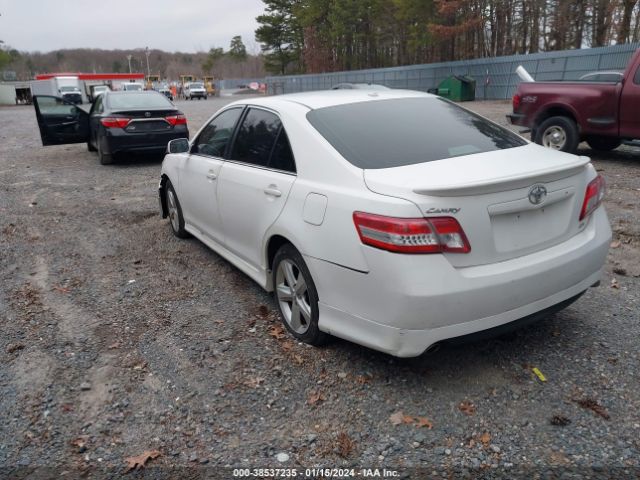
60, 122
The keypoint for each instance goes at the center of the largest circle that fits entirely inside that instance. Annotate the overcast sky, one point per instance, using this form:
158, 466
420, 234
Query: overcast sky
171, 25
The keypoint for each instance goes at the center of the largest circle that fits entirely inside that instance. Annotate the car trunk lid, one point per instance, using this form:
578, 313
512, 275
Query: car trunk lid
493, 196
145, 120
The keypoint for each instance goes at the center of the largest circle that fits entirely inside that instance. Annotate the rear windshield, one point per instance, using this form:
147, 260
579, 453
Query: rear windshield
406, 131
139, 100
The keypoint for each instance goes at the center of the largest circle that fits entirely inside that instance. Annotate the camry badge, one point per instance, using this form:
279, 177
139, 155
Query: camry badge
537, 194
443, 210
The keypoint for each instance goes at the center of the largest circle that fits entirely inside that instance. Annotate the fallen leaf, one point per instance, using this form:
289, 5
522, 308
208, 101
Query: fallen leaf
277, 332
60, 289
615, 244
399, 417
315, 397
298, 359
620, 271
263, 311
253, 382
467, 407
614, 283
363, 379
139, 461
67, 407
14, 347
590, 404
114, 345
345, 445
559, 421
423, 422
485, 438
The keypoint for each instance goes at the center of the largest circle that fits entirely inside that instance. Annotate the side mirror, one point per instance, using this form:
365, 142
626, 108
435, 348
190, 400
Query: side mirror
179, 145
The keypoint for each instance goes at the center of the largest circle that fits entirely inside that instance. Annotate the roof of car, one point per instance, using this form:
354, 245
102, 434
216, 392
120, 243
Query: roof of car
330, 98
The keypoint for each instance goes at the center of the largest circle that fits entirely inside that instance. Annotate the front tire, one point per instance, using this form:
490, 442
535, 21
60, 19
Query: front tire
558, 133
603, 144
176, 219
296, 296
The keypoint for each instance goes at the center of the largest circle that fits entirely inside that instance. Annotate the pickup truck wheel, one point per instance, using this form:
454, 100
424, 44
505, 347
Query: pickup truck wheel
604, 144
558, 133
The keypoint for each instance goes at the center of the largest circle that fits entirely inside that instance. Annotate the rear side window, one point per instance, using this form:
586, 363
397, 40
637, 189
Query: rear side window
256, 137
214, 138
397, 132
282, 156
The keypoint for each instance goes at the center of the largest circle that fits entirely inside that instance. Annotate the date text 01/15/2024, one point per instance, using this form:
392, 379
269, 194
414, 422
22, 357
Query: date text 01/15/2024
315, 473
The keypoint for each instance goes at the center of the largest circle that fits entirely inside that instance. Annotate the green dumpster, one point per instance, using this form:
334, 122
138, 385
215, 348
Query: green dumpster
459, 88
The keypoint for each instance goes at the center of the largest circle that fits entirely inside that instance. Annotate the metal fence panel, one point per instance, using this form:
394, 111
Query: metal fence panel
495, 77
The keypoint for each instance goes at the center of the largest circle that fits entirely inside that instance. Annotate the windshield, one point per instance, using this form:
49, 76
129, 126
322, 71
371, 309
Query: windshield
69, 89
197, 85
406, 131
139, 100
132, 86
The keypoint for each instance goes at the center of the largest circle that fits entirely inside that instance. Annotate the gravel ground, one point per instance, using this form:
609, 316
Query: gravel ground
120, 340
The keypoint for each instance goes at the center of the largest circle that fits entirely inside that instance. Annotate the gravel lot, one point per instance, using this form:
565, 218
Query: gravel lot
119, 339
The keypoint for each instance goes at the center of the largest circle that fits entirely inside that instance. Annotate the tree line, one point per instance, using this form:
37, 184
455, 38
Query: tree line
312, 36
235, 62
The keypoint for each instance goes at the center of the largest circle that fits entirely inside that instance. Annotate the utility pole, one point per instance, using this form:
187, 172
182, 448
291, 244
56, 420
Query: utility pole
147, 53
129, 57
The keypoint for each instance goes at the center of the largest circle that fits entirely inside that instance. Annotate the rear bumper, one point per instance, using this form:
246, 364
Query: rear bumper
117, 140
517, 119
407, 303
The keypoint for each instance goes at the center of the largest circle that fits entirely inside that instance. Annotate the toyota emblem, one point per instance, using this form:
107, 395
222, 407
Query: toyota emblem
147, 114
537, 194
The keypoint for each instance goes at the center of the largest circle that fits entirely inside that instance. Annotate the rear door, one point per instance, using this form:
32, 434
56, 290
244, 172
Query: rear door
254, 183
60, 122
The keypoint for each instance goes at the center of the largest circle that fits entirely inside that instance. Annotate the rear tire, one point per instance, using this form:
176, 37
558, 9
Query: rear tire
105, 158
90, 147
558, 133
603, 144
176, 219
296, 296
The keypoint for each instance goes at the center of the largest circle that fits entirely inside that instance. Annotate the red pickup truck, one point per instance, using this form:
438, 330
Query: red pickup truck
562, 114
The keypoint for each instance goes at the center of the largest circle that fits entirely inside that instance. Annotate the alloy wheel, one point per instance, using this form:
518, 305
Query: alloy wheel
293, 296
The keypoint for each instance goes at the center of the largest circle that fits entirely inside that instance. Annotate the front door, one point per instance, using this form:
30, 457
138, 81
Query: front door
199, 177
630, 106
60, 122
254, 183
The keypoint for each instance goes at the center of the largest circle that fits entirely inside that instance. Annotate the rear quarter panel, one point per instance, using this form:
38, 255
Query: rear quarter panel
594, 106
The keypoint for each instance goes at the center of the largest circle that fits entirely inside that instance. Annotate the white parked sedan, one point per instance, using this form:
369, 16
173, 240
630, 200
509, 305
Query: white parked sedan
394, 219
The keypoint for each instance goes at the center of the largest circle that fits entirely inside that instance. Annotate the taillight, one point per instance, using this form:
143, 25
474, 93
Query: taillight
115, 122
593, 196
516, 102
411, 235
176, 119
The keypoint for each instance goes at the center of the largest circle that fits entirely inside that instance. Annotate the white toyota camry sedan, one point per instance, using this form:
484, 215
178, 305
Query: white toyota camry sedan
394, 219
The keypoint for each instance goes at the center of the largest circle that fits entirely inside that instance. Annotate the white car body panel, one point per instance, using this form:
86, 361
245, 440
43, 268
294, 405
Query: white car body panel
524, 258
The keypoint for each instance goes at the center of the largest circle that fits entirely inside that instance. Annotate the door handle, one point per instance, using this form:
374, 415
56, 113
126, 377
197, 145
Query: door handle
212, 175
273, 191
